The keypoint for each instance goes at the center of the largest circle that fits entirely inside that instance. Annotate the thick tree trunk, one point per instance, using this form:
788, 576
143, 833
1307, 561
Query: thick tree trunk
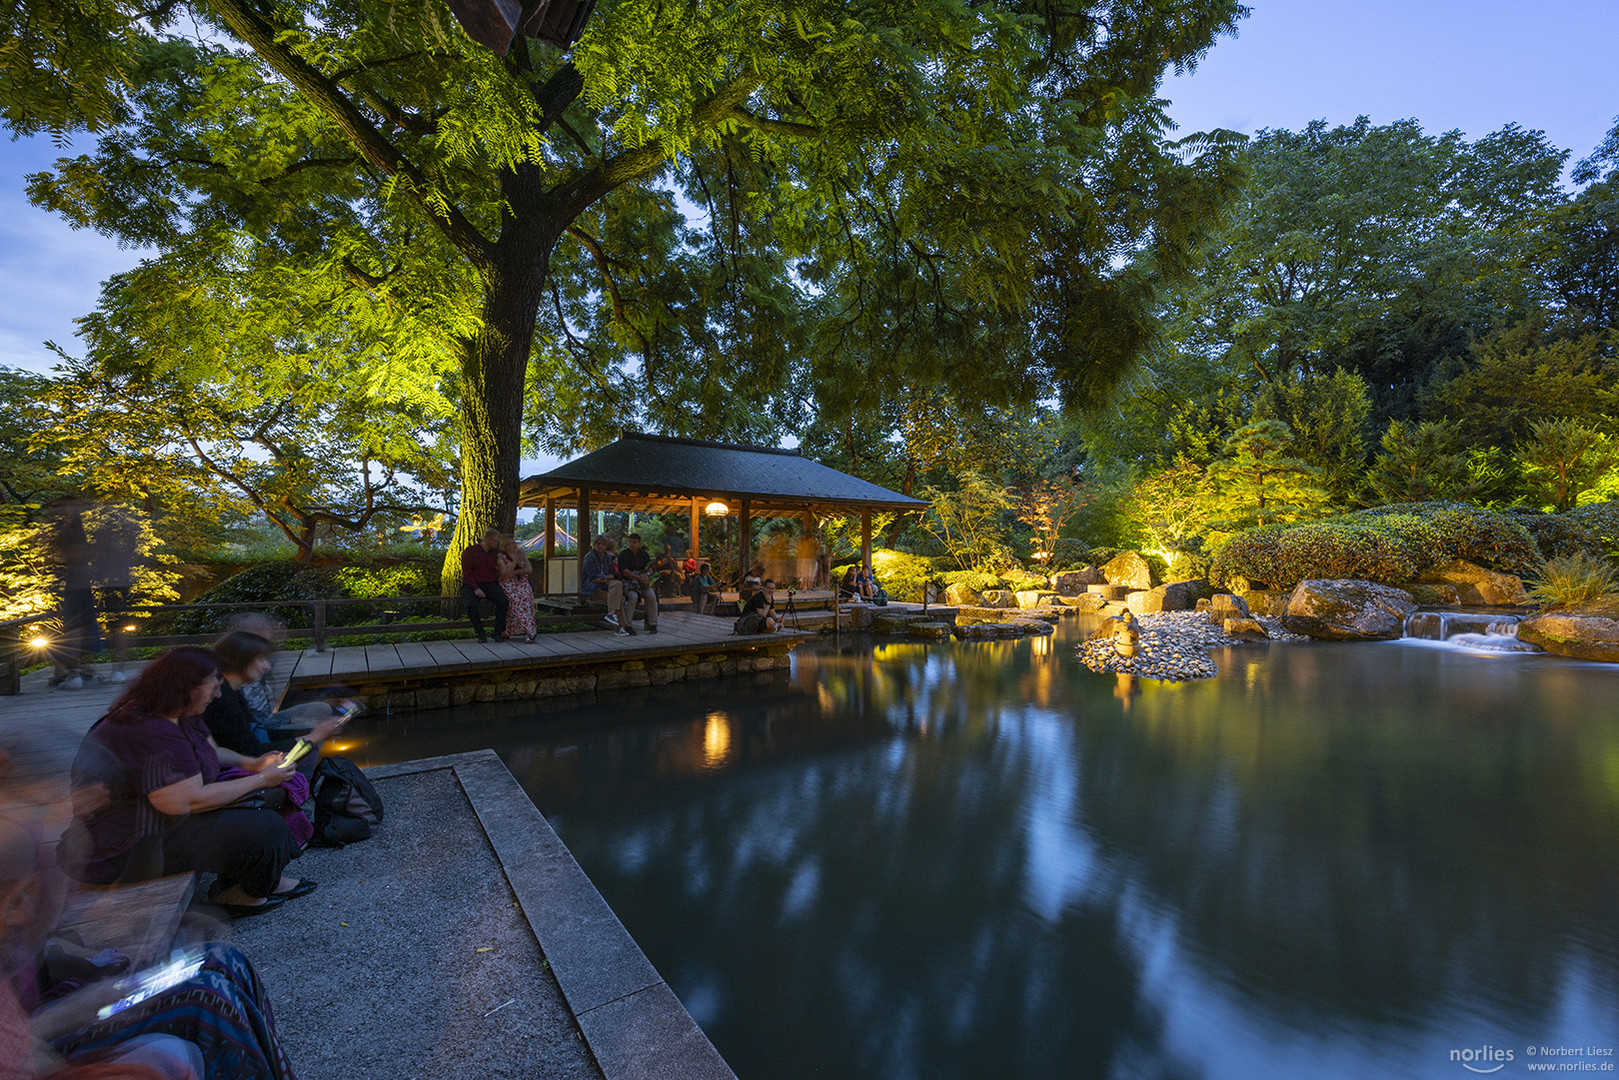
494, 370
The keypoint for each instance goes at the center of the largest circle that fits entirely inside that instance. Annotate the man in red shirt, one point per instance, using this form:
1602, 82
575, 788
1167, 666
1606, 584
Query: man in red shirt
480, 581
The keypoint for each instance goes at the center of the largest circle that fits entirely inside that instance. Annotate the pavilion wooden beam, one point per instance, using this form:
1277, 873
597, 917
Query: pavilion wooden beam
550, 543
865, 539
696, 525
744, 538
586, 536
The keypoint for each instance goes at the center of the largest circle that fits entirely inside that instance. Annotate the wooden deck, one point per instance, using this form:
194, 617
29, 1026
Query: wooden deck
679, 633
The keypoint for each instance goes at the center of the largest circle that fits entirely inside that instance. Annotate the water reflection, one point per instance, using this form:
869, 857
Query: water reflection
934, 860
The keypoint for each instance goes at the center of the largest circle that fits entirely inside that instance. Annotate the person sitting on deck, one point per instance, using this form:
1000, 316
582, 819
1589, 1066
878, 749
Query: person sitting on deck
634, 567
759, 613
850, 585
705, 591
480, 581
243, 659
599, 580
261, 694
516, 574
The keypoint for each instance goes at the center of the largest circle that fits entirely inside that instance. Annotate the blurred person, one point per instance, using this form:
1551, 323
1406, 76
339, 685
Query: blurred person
261, 694
244, 658
599, 580
705, 591
516, 578
68, 550
164, 807
668, 578
117, 538
216, 1025
480, 581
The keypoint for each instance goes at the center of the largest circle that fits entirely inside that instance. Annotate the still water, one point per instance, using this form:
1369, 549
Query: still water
983, 861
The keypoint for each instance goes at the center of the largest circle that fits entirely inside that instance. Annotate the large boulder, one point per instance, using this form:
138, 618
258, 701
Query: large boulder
997, 598
1129, 570
1028, 598
1432, 595
1089, 604
1244, 629
1588, 632
1348, 610
1476, 585
1178, 596
960, 595
1073, 582
1223, 606
1271, 602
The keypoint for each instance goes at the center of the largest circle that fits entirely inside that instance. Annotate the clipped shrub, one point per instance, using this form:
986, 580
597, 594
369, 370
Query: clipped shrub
1024, 580
1602, 519
1573, 579
976, 580
1389, 544
902, 575
1558, 535
279, 585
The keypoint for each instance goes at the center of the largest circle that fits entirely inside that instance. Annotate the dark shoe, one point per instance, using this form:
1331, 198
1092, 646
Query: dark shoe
630, 630
247, 911
500, 637
623, 631
652, 629
303, 888
482, 640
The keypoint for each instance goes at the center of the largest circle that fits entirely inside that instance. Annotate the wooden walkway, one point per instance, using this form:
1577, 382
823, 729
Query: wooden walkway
679, 632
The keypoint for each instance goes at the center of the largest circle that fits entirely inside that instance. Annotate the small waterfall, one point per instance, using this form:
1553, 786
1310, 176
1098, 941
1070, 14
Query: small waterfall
1466, 630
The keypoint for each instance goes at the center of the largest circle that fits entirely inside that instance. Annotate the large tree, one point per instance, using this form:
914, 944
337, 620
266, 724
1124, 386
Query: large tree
1008, 155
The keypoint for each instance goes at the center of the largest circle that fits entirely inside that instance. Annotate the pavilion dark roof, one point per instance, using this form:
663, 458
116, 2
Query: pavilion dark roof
637, 467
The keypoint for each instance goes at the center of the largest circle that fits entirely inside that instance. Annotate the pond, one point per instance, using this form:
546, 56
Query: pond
961, 861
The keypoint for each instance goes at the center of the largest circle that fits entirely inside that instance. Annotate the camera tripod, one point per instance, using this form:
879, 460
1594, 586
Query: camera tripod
791, 610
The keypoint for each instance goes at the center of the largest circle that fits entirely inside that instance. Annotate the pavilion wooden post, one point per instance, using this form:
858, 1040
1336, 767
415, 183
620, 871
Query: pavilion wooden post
582, 542
696, 524
550, 542
814, 547
744, 529
865, 539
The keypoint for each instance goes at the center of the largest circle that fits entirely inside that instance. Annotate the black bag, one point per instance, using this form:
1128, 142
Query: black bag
347, 807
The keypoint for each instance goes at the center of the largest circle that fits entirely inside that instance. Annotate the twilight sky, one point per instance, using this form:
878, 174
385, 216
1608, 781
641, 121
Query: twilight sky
1475, 65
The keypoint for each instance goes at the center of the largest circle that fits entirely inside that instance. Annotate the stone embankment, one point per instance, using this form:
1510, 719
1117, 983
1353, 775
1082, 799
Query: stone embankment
1171, 645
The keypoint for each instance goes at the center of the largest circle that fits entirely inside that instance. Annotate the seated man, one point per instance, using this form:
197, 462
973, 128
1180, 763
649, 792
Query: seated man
668, 576
634, 567
705, 591
480, 581
599, 580
759, 613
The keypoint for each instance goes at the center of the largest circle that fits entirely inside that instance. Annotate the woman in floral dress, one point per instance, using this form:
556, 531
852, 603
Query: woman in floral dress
515, 571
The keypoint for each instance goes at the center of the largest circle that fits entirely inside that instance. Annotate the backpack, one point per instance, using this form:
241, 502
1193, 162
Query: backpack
347, 806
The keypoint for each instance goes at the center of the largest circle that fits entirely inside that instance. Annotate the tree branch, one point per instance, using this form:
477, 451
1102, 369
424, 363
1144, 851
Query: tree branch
602, 263
788, 129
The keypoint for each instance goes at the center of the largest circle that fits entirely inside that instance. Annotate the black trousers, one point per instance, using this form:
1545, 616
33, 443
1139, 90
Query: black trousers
495, 595
244, 847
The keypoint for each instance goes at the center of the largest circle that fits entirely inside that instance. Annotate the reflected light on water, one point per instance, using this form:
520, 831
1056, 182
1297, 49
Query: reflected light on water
716, 740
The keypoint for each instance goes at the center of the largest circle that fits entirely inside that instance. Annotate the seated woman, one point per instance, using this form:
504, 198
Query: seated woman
705, 591
261, 694
850, 585
149, 800
243, 659
516, 579
216, 1025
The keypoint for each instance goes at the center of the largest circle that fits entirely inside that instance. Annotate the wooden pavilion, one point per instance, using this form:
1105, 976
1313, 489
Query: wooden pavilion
658, 474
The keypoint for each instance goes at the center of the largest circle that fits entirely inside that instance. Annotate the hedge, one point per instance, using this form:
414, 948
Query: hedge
1602, 519
1389, 543
291, 581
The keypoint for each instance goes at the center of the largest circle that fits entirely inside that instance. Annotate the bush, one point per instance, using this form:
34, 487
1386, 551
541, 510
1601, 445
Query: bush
1602, 519
1102, 555
976, 580
1068, 551
1573, 579
901, 575
1390, 544
1558, 535
290, 582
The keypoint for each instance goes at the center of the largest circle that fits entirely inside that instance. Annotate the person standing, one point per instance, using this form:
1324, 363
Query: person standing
480, 581
70, 552
516, 573
634, 567
599, 580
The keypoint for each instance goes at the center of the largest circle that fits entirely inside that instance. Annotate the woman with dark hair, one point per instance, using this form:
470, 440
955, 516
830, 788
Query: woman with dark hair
245, 658
149, 800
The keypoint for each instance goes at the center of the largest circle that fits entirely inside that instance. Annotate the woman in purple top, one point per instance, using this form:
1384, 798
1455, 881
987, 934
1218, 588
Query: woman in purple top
148, 800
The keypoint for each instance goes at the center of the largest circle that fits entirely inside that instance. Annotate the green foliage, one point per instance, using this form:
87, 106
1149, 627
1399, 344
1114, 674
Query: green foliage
976, 580
901, 575
1170, 508
284, 588
1327, 415
1420, 462
1558, 535
1567, 580
1255, 482
1069, 553
402, 579
1602, 519
1563, 459
25, 579
1390, 544
1023, 580
970, 522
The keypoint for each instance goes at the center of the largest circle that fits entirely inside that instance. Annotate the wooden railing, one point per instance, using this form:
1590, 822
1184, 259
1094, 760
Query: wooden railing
123, 628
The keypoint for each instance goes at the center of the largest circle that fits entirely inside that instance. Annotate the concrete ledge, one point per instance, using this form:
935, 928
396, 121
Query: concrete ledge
634, 1025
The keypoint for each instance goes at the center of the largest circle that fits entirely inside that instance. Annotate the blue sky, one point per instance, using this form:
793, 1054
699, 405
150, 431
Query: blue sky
1473, 66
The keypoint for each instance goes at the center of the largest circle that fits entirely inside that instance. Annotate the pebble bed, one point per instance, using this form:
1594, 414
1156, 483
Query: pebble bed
1173, 646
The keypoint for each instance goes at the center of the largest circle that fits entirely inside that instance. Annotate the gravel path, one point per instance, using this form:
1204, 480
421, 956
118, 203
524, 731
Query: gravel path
1174, 646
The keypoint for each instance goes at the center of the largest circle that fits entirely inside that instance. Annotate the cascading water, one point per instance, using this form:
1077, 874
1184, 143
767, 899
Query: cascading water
1464, 630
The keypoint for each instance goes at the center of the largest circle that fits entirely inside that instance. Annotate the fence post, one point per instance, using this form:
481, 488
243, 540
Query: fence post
11, 661
320, 626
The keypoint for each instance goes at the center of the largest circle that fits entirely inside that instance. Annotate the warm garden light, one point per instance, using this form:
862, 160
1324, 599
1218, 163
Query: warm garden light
130, 629
39, 642
716, 509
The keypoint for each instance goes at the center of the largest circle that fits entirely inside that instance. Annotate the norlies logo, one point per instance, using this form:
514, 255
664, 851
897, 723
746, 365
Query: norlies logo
1483, 1060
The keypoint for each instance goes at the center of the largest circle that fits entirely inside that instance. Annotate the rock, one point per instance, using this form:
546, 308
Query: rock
1223, 606
894, 623
1272, 602
1348, 610
1177, 596
1588, 632
1109, 592
859, 616
1028, 598
1089, 604
1244, 629
1476, 585
937, 631
1073, 582
1128, 569
961, 595
1204, 603
998, 598
1429, 595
